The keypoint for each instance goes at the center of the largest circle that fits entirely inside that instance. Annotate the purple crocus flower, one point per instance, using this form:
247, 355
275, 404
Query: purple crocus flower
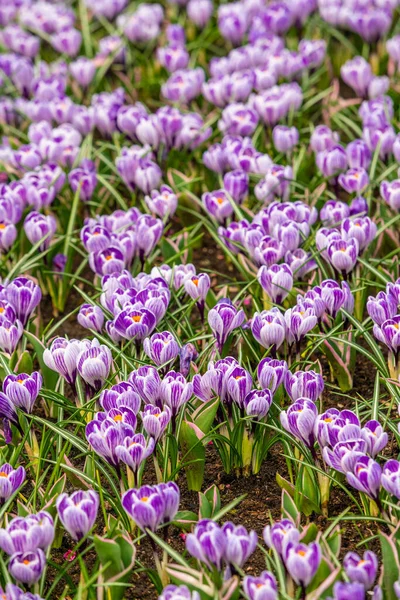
183, 86
94, 364
135, 323
62, 357
343, 254
323, 138
299, 321
257, 403
361, 228
390, 192
24, 295
331, 161
238, 119
91, 317
151, 506
384, 137
161, 348
40, 227
199, 12
8, 235
357, 73
175, 391
375, 437
276, 183
361, 570
285, 138
67, 41
240, 544
163, 203
179, 592
25, 534
108, 430
381, 307
83, 70
10, 480
389, 333
22, 390
223, 318
146, 381
27, 567
207, 543
135, 450
218, 205
238, 385
148, 234
107, 261
155, 420
391, 477
232, 22
299, 420
10, 334
302, 562
354, 181
300, 262
263, 587
280, 535
365, 476
78, 512
277, 281
197, 286
236, 183
269, 328
84, 180
173, 57
334, 424
358, 155
304, 384
271, 373
120, 395
343, 590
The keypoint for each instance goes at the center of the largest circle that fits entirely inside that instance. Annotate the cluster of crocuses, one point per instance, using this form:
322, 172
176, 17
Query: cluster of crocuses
138, 304
18, 300
371, 20
384, 312
27, 539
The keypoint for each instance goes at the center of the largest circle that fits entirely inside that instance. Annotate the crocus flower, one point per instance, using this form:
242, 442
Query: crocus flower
10, 480
238, 119
240, 544
200, 11
332, 161
263, 587
207, 543
302, 562
161, 348
163, 203
22, 390
362, 229
257, 403
276, 183
391, 477
78, 512
94, 364
135, 324
10, 334
366, 476
40, 227
107, 430
223, 319
323, 138
218, 205
358, 155
155, 420
62, 357
91, 317
299, 321
175, 391
146, 381
299, 420
343, 254
27, 567
151, 506
280, 535
300, 262
345, 454
285, 138
134, 450
389, 333
107, 261
361, 570
238, 385
271, 373
24, 295
354, 181
236, 183
357, 73
333, 423
277, 281
269, 328
119, 395
375, 437
83, 70
390, 192
84, 180
304, 384
343, 590
197, 286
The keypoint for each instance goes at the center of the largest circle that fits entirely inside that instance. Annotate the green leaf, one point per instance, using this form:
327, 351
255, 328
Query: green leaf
204, 416
324, 571
49, 377
184, 519
117, 558
24, 364
193, 452
304, 504
391, 565
289, 509
309, 533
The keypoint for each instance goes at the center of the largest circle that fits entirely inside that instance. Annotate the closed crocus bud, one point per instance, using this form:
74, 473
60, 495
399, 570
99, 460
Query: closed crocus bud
40, 227
24, 295
10, 334
390, 192
257, 403
359, 207
232, 22
83, 70
161, 348
240, 544
276, 184
59, 263
146, 381
173, 57
151, 506
67, 42
277, 281
381, 307
299, 420
362, 229
135, 450
148, 232
62, 357
263, 587
236, 183
366, 476
218, 205
354, 181
391, 477
197, 286
8, 234
238, 119
91, 317
378, 86
179, 592
361, 570
304, 384
175, 391
78, 512
343, 254
10, 480
280, 535
343, 590
207, 543
323, 138
187, 355
94, 364
302, 562
271, 373
383, 138
358, 155
285, 138
84, 180
330, 162
155, 420
22, 390
357, 73
269, 328
223, 319
175, 33
238, 385
300, 262
200, 11
163, 203
27, 567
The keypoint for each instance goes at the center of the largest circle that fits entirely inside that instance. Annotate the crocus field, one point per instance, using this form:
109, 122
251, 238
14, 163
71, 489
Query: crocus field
199, 300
